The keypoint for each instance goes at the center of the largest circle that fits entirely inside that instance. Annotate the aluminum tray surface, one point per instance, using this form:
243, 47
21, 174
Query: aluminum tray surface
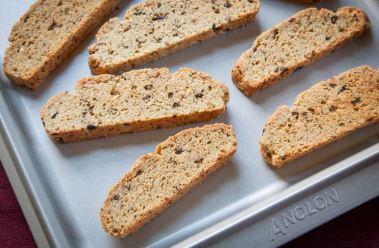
62, 187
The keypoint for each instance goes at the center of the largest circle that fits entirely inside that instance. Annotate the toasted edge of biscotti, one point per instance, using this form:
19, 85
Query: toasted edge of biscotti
249, 87
38, 74
169, 199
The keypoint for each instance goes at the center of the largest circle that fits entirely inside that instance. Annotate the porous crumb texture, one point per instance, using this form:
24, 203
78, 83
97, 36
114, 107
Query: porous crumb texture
138, 100
158, 179
44, 37
155, 28
326, 112
298, 41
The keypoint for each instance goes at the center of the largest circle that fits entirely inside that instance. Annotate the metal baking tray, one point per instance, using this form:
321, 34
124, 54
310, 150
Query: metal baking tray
247, 203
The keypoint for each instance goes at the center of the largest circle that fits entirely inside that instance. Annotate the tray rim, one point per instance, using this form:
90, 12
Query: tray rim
275, 204
50, 233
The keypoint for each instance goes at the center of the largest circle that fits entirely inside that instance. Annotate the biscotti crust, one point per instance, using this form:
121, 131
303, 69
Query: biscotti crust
250, 84
118, 228
58, 52
326, 112
93, 120
99, 66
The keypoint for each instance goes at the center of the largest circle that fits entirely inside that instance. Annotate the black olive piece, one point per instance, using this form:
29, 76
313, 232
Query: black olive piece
139, 12
148, 87
91, 127
356, 101
343, 88
158, 17
332, 108
146, 97
199, 95
176, 104
54, 115
52, 26
200, 160
215, 29
227, 4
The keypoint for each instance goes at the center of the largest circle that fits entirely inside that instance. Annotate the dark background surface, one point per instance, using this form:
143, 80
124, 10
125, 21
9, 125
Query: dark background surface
357, 228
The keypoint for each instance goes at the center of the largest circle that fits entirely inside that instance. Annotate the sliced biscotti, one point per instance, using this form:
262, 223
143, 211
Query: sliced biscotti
155, 28
298, 41
326, 112
158, 179
44, 37
138, 100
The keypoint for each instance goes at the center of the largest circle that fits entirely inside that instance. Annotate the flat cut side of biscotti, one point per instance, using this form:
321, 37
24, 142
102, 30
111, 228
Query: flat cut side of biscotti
326, 112
159, 179
47, 34
139, 100
156, 28
298, 41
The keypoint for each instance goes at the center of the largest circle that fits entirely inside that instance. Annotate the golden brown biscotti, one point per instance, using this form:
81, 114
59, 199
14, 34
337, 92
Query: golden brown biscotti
326, 112
46, 35
138, 100
298, 41
156, 28
158, 179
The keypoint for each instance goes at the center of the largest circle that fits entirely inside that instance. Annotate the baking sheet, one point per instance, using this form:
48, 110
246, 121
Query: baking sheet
66, 184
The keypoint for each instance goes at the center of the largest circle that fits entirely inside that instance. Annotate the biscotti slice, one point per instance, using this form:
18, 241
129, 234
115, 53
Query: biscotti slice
158, 179
45, 36
156, 28
300, 40
138, 100
326, 112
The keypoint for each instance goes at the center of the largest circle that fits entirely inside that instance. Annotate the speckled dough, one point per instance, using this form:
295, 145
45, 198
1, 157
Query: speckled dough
138, 100
326, 112
158, 179
298, 41
46, 35
156, 28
